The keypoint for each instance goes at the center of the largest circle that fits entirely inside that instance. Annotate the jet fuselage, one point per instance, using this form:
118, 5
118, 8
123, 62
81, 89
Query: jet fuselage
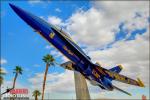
82, 63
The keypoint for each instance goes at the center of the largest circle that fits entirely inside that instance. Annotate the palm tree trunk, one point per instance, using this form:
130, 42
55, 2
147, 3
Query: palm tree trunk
36, 98
15, 80
1, 80
46, 70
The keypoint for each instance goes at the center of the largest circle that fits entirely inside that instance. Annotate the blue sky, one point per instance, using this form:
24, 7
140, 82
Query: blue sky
21, 46
16, 40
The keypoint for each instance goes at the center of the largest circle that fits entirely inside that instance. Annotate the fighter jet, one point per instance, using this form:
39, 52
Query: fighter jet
78, 60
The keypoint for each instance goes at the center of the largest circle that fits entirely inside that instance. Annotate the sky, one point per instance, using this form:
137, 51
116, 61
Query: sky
110, 32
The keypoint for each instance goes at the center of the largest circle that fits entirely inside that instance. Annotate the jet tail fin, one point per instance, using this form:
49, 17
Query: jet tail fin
117, 69
140, 82
68, 65
122, 90
124, 79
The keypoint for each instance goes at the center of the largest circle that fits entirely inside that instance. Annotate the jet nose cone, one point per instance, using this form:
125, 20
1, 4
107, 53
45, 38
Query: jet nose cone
16, 9
35, 22
11, 5
26, 16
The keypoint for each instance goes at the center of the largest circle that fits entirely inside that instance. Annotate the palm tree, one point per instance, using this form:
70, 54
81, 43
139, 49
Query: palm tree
49, 60
36, 93
18, 70
2, 72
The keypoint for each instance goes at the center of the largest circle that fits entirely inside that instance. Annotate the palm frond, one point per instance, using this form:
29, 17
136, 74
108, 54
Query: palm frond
36, 93
49, 59
18, 69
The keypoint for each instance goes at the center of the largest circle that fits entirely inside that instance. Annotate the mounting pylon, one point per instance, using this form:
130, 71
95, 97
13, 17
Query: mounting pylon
82, 92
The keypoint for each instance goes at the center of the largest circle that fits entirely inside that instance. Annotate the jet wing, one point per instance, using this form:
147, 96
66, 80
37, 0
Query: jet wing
68, 65
124, 79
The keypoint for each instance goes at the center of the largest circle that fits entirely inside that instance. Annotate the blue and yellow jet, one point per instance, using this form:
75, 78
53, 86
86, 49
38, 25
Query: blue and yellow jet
79, 61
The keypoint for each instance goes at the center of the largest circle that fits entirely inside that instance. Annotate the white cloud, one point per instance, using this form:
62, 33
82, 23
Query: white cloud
95, 27
137, 22
3, 61
4, 70
56, 82
85, 25
55, 20
59, 83
122, 10
34, 1
100, 21
48, 47
133, 55
38, 1
98, 26
57, 10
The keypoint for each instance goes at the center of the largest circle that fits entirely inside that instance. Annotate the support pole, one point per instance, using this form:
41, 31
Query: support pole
82, 92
